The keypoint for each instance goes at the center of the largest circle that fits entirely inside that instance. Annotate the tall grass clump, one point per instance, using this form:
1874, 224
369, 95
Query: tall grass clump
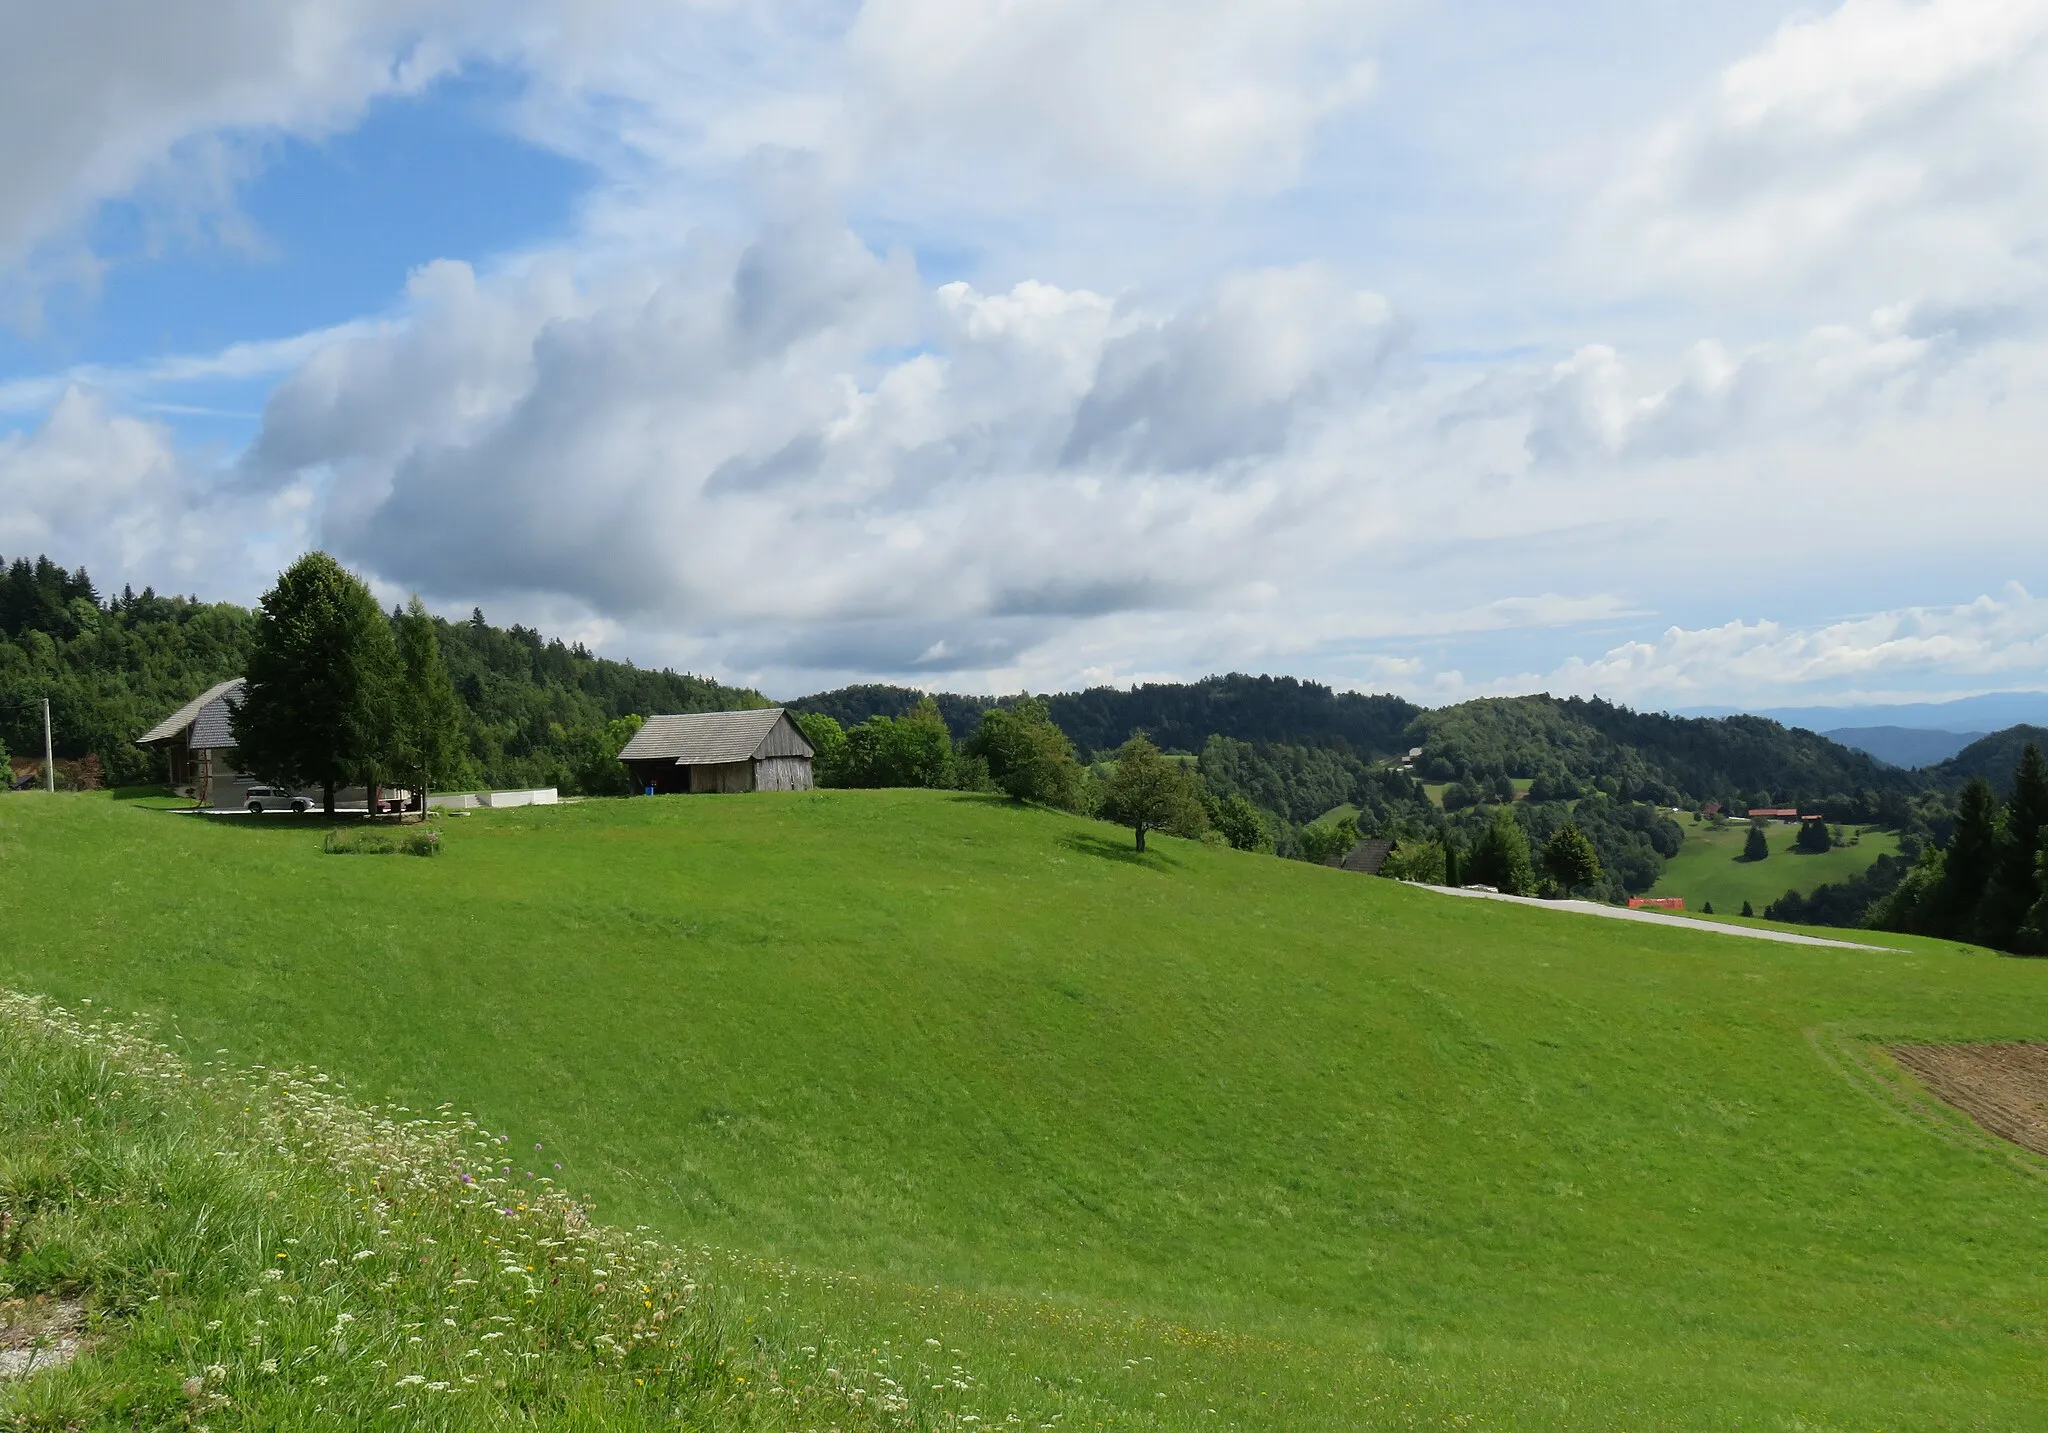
414, 841
252, 1250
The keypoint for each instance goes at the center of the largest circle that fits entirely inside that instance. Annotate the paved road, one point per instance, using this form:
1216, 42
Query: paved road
1619, 913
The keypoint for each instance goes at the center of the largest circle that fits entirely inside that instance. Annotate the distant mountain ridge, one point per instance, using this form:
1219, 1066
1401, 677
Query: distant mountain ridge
1904, 746
1991, 711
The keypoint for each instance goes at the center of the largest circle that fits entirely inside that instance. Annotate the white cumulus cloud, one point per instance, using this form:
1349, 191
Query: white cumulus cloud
1886, 148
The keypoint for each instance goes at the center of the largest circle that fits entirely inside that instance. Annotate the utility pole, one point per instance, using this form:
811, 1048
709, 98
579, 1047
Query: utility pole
49, 760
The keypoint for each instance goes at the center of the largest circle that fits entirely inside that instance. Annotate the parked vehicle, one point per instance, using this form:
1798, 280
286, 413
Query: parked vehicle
269, 798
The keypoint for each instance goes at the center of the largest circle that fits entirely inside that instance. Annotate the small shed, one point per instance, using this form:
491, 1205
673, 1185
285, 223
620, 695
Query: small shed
199, 748
719, 751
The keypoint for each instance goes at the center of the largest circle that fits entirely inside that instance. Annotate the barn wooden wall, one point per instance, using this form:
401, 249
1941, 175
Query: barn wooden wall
783, 739
782, 773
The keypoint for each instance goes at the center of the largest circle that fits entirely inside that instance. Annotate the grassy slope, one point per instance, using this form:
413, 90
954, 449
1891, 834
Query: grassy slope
1301, 1146
1707, 867
256, 1252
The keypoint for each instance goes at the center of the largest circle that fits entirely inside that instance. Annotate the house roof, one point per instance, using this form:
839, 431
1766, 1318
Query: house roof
205, 718
1368, 856
704, 738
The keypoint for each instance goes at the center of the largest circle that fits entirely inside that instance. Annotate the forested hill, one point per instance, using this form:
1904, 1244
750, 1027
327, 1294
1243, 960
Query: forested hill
1671, 761
1179, 716
1573, 742
536, 711
1992, 757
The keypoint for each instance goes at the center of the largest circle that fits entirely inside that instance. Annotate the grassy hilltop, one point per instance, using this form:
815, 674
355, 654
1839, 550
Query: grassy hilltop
1709, 867
1140, 1138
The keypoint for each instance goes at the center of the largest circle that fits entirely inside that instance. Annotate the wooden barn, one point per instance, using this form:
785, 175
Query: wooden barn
719, 751
198, 748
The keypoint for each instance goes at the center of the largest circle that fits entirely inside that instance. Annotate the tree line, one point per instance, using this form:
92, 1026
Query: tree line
533, 711
1265, 757
1988, 882
1017, 749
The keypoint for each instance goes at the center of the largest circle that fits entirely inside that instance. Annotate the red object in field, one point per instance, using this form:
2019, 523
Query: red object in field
1782, 813
1656, 903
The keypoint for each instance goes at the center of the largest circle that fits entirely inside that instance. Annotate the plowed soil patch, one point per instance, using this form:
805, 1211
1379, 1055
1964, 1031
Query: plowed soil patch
2002, 1087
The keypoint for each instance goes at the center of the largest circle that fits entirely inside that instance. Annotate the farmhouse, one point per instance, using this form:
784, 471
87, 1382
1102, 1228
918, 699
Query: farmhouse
199, 749
719, 751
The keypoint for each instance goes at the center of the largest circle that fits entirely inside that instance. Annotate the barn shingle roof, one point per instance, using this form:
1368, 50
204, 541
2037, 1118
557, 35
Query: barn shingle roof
1368, 856
702, 738
206, 717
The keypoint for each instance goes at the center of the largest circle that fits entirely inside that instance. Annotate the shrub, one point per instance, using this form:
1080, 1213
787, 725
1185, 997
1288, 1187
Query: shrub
413, 841
1240, 823
1325, 842
1424, 862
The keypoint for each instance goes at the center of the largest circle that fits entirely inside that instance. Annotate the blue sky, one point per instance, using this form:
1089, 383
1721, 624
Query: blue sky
1690, 355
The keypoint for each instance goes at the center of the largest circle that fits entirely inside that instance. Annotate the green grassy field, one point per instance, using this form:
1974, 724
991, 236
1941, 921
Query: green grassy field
1707, 867
1435, 790
1141, 1138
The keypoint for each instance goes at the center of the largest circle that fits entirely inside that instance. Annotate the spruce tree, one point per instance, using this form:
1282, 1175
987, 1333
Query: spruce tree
428, 717
2014, 887
1968, 861
1570, 860
317, 708
1757, 846
1500, 857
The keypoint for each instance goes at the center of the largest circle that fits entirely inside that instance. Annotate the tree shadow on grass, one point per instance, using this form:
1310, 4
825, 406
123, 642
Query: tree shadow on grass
1121, 850
291, 825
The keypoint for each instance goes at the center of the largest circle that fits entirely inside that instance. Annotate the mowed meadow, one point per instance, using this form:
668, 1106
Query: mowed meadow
1195, 1139
1709, 868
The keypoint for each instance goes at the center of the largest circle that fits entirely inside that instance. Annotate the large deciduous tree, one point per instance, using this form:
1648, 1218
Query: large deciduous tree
915, 749
828, 747
1028, 756
1147, 792
317, 708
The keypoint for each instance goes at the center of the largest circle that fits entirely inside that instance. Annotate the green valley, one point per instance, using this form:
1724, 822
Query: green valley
1709, 868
